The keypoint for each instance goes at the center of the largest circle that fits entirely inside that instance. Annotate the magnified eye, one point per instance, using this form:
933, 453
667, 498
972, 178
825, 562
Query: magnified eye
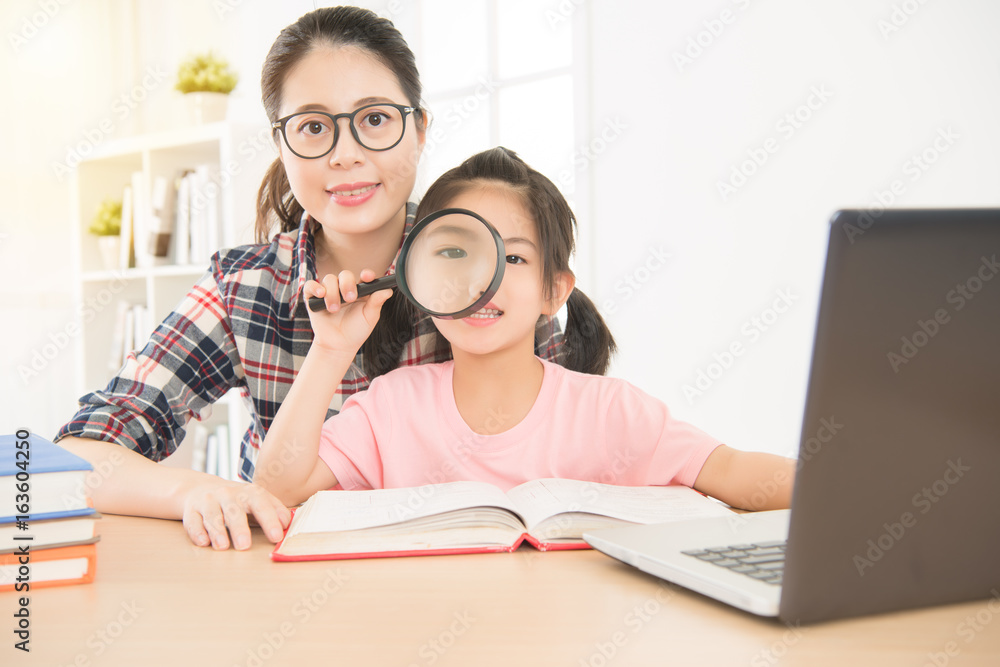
452, 253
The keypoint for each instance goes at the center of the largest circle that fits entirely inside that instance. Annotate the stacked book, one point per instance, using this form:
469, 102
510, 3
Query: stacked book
48, 526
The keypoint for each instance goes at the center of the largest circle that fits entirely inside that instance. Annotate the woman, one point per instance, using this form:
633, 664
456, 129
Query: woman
341, 90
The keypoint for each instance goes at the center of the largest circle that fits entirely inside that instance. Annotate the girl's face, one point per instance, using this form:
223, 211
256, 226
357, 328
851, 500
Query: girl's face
508, 320
350, 190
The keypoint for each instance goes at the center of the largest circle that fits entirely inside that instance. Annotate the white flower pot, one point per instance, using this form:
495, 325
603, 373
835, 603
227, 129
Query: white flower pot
206, 107
110, 249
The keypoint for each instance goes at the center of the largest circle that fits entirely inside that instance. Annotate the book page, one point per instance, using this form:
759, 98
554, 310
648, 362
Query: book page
328, 511
541, 499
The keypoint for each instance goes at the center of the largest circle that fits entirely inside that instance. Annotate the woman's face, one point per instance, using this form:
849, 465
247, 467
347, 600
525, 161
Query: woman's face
350, 190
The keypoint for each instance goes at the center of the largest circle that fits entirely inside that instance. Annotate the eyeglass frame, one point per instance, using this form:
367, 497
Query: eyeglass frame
334, 118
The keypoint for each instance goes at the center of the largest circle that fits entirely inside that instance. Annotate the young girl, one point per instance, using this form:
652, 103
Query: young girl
343, 98
497, 412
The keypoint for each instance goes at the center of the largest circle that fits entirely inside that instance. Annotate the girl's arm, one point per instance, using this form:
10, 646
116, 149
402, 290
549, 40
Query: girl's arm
288, 464
747, 480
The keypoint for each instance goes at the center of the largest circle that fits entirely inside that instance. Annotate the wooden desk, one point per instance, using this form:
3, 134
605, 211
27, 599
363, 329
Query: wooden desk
159, 600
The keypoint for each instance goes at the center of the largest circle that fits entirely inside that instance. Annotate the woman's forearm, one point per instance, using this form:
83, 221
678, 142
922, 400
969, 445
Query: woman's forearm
125, 482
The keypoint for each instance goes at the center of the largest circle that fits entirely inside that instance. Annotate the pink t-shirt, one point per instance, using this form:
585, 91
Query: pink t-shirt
405, 430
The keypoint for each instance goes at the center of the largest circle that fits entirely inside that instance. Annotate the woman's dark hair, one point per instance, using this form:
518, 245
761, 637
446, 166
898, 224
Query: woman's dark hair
326, 27
588, 342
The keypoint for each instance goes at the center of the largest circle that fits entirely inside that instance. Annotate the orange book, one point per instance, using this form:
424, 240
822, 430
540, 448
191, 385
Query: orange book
57, 566
475, 517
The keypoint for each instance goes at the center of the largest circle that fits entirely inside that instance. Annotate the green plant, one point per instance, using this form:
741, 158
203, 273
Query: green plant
108, 219
206, 73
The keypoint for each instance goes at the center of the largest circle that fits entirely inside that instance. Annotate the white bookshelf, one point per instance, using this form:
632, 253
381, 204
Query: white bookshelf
237, 155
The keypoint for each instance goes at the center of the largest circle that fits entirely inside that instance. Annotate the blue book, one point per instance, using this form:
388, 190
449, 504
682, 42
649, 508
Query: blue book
43, 478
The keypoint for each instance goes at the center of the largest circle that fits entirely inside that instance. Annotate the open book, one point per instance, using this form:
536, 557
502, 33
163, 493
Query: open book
475, 517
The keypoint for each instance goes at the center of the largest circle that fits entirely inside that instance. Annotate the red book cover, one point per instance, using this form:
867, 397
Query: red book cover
58, 566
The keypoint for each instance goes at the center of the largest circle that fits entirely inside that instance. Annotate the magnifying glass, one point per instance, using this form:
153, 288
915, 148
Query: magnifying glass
450, 266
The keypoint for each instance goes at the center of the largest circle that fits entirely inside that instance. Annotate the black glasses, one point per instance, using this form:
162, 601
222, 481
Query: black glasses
313, 134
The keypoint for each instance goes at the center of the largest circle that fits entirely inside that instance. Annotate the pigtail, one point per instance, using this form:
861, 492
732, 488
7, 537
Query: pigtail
588, 342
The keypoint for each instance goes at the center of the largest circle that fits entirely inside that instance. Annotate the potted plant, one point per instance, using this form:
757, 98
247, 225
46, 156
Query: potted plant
206, 81
107, 227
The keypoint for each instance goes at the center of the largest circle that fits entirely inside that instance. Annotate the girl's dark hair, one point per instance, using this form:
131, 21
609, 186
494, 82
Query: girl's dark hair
588, 342
326, 27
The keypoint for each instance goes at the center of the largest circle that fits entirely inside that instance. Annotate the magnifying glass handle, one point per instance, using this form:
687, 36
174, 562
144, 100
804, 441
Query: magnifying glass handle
364, 289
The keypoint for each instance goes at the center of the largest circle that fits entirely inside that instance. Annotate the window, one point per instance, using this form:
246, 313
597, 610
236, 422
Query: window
495, 73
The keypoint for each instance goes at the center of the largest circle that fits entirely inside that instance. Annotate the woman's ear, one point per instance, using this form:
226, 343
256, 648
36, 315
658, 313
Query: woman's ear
563, 286
423, 127
276, 135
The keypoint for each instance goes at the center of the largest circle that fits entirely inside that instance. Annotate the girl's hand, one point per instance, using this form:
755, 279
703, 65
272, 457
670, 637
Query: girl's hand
344, 325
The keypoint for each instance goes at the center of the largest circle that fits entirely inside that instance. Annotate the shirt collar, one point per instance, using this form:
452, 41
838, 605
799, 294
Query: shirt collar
305, 252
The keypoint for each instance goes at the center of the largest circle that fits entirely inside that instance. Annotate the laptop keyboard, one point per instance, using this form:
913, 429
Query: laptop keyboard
763, 561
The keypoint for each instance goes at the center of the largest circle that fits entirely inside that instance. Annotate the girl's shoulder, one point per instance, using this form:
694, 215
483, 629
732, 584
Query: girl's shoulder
603, 387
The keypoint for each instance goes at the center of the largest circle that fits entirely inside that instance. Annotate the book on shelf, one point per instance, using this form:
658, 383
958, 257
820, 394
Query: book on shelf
215, 452
182, 218
117, 357
197, 219
126, 257
476, 517
58, 566
229, 469
132, 330
203, 215
141, 214
161, 220
199, 447
222, 455
56, 479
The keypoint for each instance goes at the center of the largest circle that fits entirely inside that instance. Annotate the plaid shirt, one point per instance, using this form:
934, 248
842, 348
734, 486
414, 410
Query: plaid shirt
243, 325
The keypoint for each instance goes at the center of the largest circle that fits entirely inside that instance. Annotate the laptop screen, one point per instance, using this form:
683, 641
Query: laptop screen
902, 411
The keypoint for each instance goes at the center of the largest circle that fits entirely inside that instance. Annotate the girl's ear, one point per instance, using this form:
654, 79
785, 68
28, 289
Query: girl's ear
564, 283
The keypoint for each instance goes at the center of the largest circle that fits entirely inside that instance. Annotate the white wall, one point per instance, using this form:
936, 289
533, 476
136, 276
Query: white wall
655, 141
687, 126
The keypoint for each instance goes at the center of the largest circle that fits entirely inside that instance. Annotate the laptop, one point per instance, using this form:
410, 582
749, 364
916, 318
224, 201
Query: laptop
897, 495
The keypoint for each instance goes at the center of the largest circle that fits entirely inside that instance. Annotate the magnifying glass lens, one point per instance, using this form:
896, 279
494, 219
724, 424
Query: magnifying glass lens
451, 264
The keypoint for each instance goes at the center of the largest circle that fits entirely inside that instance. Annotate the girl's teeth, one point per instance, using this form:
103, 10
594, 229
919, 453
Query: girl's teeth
487, 313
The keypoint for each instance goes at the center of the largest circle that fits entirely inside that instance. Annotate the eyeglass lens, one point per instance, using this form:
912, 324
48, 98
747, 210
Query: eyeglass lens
376, 127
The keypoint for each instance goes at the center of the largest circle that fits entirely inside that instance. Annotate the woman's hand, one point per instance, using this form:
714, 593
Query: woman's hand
215, 513
344, 325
